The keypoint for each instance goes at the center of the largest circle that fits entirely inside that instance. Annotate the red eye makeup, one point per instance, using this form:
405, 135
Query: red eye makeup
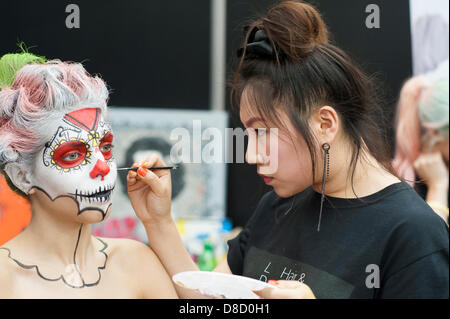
106, 145
70, 154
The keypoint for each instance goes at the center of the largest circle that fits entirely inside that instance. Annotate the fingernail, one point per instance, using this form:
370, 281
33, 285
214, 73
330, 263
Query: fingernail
131, 173
142, 171
256, 292
273, 282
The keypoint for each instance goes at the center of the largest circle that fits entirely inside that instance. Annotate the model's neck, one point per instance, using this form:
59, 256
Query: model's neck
55, 239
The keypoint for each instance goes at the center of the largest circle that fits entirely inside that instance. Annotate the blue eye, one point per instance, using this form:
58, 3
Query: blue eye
71, 157
106, 148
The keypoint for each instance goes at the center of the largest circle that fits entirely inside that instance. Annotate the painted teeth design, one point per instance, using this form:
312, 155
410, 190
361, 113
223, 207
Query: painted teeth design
102, 195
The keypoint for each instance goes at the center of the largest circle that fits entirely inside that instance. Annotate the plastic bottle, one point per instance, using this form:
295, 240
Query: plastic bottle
207, 260
221, 246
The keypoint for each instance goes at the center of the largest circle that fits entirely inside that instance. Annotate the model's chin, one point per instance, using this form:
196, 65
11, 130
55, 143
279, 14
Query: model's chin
67, 206
93, 215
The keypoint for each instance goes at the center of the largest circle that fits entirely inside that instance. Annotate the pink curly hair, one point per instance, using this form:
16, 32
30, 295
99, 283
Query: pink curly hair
408, 129
39, 93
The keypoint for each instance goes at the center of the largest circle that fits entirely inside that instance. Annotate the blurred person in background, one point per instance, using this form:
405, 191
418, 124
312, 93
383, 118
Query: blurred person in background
422, 137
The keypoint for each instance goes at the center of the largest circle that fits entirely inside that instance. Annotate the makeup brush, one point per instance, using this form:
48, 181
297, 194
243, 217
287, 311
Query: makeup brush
150, 168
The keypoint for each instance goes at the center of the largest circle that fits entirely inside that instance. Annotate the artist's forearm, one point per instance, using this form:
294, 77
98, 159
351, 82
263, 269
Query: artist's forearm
438, 200
166, 242
438, 193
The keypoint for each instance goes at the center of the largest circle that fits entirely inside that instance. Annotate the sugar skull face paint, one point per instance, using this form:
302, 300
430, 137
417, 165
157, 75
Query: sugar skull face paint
78, 162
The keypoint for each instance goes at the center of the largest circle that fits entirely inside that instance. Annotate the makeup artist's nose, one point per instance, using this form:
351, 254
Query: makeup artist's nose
101, 168
255, 158
250, 157
251, 152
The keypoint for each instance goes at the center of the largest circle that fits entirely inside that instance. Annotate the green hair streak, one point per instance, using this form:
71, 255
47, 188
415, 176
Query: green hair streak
11, 63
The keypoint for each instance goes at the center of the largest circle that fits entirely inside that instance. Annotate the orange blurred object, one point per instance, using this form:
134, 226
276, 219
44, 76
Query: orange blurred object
15, 213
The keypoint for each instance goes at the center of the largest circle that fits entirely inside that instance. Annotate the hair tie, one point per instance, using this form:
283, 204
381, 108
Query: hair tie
258, 45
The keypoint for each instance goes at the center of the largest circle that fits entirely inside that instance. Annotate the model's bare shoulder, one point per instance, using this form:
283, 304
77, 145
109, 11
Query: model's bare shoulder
7, 272
128, 253
125, 253
118, 248
138, 260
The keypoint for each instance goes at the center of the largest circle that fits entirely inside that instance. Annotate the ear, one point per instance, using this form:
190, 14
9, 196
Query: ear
325, 123
19, 176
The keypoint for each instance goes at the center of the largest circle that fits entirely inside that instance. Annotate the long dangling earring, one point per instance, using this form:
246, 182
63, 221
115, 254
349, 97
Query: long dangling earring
326, 174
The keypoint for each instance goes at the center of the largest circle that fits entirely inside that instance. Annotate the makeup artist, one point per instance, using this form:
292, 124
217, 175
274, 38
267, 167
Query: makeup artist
338, 223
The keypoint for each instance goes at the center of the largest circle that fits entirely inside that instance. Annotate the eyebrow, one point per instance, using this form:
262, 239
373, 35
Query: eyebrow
252, 120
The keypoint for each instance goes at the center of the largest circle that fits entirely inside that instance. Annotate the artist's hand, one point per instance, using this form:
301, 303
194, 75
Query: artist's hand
431, 168
150, 191
286, 289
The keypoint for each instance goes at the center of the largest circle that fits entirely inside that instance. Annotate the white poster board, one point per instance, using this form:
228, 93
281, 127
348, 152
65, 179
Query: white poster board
430, 37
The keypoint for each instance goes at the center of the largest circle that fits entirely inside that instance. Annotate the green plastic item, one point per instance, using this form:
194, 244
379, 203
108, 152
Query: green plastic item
207, 260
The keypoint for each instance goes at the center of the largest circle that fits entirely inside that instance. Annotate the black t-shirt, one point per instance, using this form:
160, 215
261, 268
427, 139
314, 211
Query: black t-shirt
390, 244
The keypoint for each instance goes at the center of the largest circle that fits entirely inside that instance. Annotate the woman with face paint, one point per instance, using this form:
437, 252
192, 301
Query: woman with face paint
338, 223
56, 150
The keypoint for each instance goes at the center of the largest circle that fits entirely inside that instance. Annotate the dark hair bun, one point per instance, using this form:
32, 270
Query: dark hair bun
295, 27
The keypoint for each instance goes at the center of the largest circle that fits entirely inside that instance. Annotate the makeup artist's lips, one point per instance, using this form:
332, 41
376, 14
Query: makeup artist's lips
266, 179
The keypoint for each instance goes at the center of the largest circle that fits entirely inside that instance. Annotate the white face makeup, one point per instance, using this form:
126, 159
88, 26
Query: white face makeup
78, 162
